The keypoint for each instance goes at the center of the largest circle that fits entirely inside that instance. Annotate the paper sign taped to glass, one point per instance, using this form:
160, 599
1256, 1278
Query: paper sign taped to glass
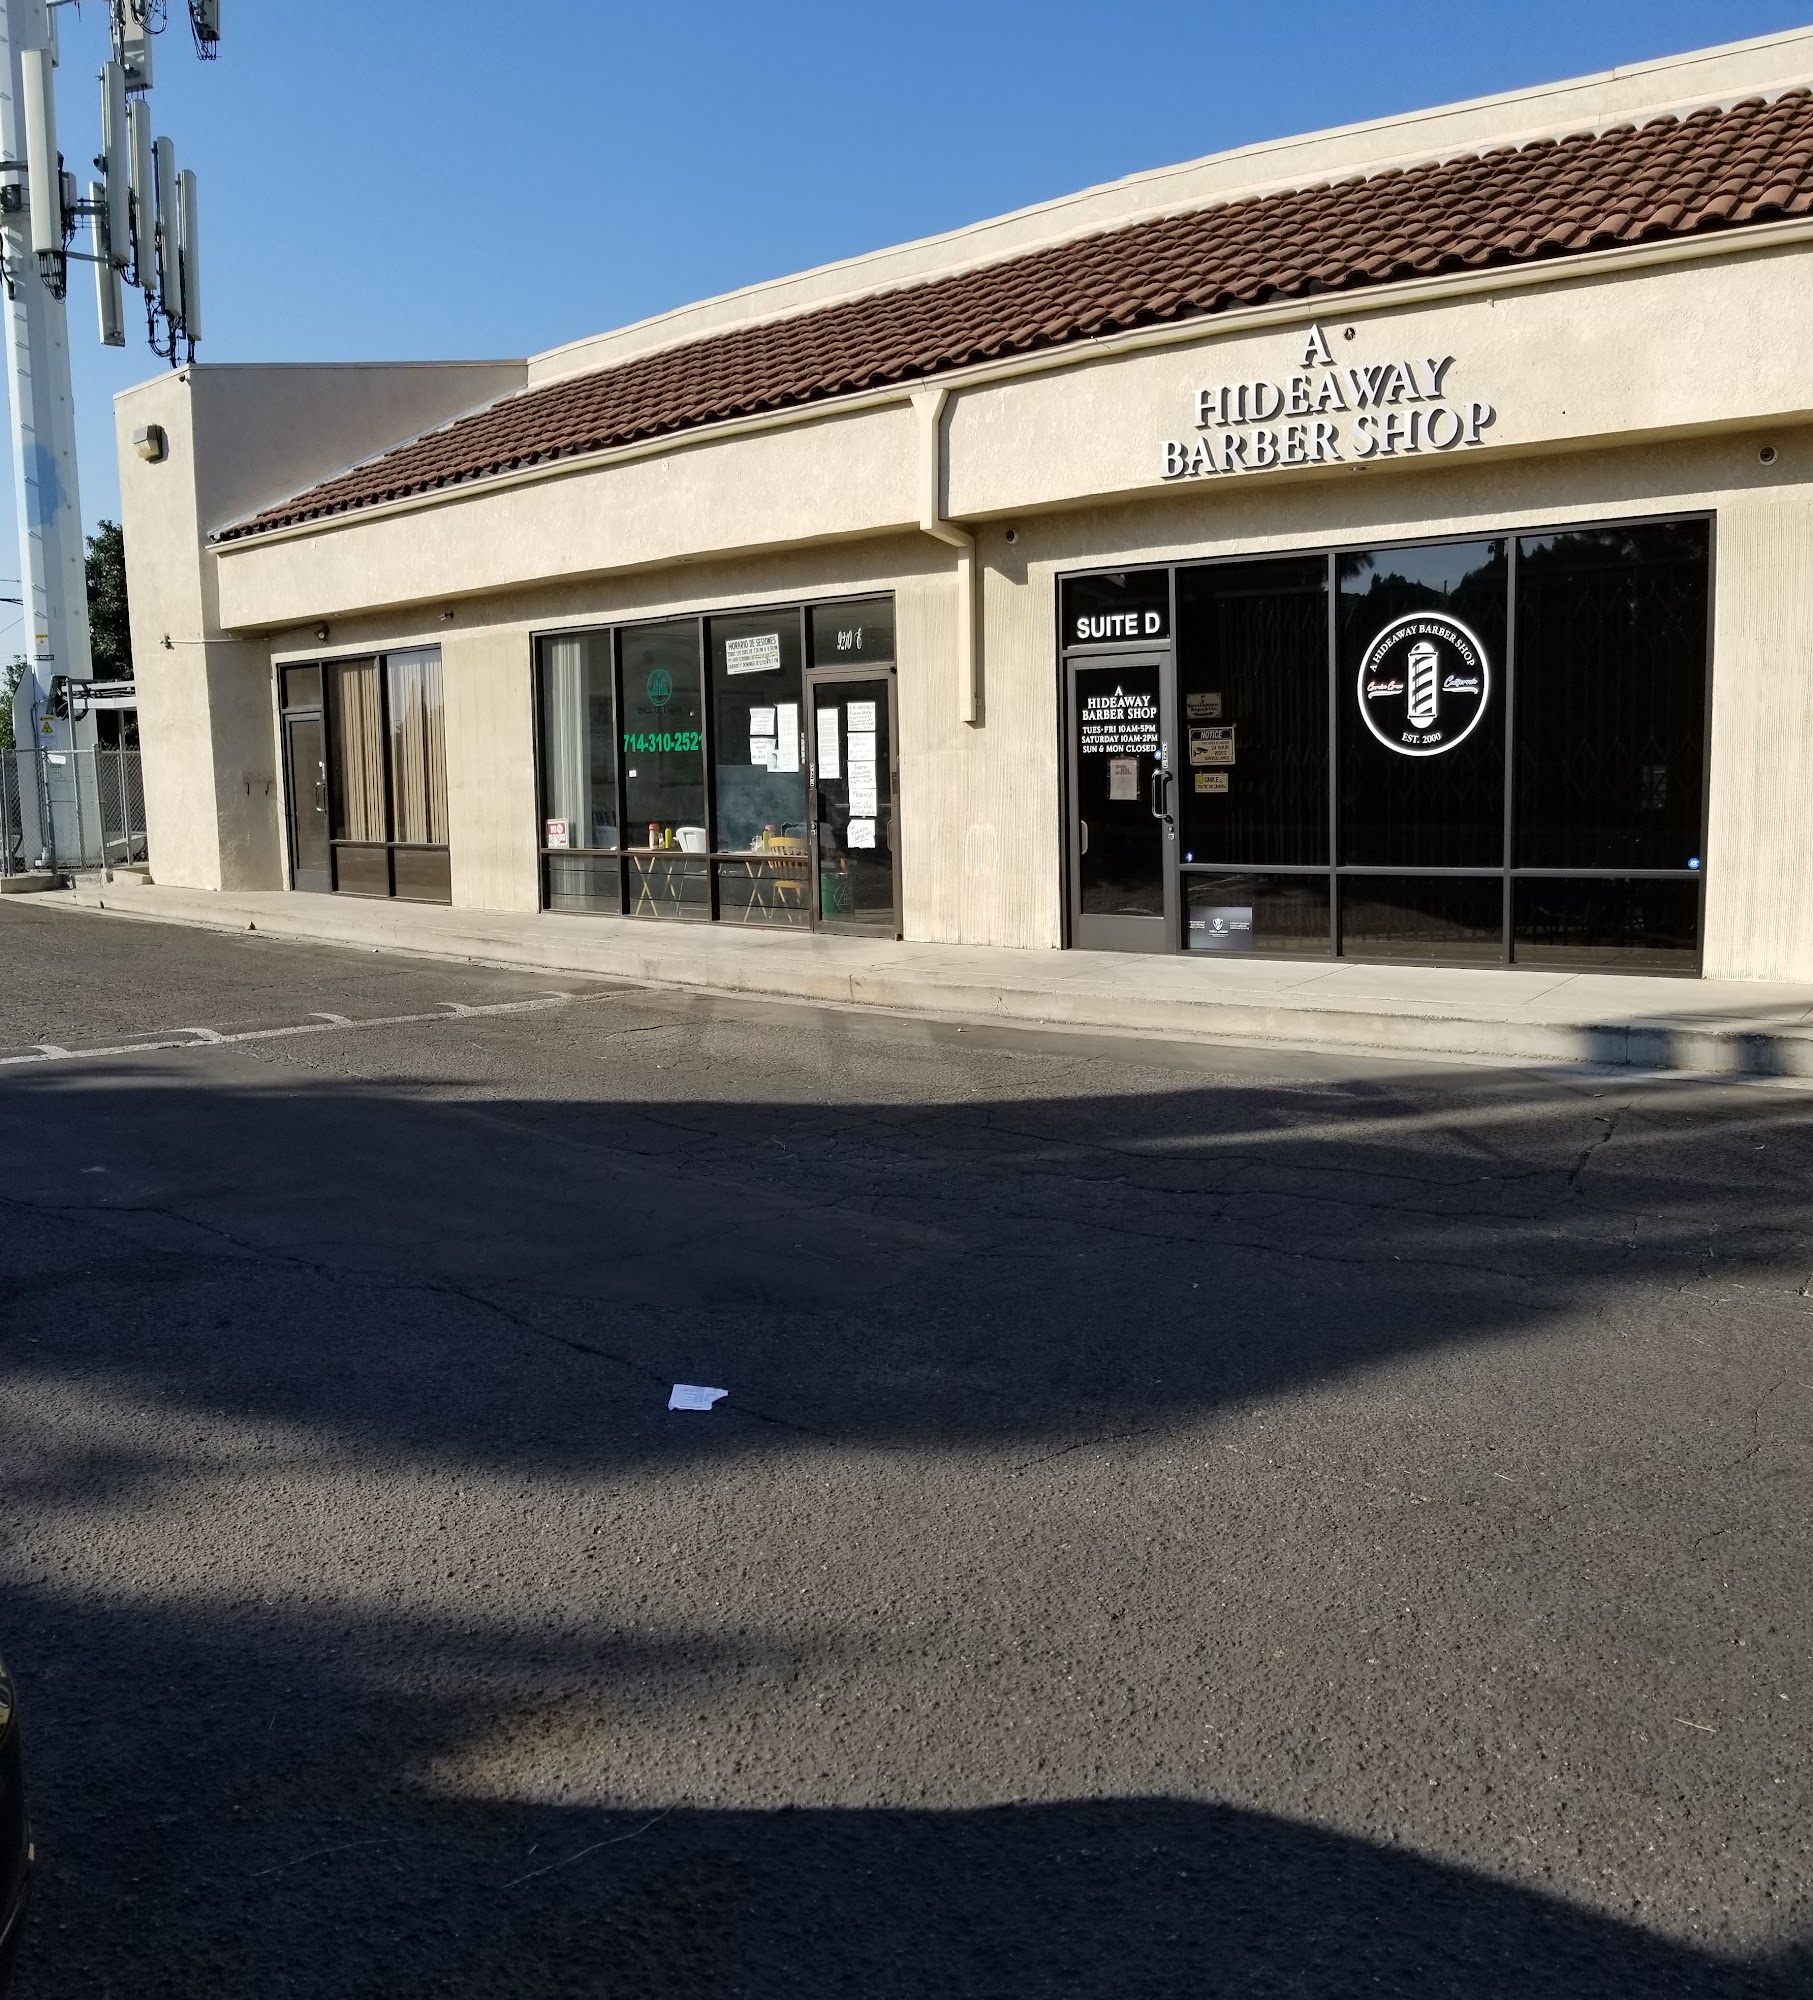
786, 737
862, 716
759, 654
830, 761
861, 833
1123, 777
864, 795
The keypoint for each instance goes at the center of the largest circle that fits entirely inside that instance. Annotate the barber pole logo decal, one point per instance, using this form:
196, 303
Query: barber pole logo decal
1424, 684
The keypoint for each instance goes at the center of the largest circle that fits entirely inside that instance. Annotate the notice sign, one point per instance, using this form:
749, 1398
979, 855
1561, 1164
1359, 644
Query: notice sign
1203, 707
786, 737
1211, 781
1211, 746
760, 654
559, 833
830, 761
1123, 777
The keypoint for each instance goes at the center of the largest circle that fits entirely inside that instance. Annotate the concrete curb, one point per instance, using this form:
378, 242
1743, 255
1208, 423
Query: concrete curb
1404, 1030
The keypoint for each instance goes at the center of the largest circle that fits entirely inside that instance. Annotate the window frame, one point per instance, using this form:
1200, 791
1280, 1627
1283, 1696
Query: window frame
1509, 873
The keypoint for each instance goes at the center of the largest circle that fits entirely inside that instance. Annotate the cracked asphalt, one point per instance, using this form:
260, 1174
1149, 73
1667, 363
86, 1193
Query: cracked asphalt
1183, 1522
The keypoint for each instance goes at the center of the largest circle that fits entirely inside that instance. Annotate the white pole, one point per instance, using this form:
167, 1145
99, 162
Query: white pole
52, 579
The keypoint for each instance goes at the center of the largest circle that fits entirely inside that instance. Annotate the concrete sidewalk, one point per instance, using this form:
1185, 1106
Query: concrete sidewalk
1730, 1027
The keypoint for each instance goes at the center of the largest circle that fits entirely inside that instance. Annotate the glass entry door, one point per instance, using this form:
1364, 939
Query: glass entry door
1123, 792
311, 859
851, 740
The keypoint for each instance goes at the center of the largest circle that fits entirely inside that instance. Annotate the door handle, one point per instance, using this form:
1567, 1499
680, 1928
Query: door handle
1083, 827
1160, 779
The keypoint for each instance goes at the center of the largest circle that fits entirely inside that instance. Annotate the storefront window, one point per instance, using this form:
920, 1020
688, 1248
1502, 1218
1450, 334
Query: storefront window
1575, 661
1252, 681
1611, 695
665, 826
579, 774
386, 767
1421, 676
677, 767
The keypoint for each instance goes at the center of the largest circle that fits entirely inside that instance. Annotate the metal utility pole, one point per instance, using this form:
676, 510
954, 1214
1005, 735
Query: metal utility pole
141, 217
52, 579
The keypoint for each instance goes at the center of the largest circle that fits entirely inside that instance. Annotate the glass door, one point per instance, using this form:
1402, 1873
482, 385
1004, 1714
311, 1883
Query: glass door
851, 738
311, 859
1123, 794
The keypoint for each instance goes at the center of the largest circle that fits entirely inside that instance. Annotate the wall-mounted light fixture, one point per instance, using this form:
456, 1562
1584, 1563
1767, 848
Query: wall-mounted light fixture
151, 444
321, 634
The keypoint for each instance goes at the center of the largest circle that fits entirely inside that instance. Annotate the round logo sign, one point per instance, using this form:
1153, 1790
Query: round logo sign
660, 687
1424, 683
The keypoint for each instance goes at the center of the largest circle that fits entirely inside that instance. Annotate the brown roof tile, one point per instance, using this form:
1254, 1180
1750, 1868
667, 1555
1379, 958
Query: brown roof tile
1711, 169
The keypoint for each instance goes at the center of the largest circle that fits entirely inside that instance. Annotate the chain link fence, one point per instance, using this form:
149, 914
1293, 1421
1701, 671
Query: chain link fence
65, 810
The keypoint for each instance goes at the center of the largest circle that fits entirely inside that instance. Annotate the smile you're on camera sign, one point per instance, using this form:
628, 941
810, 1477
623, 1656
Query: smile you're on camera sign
1328, 412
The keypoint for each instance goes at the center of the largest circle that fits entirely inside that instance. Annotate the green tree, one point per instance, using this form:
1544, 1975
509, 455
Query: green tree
10, 677
109, 631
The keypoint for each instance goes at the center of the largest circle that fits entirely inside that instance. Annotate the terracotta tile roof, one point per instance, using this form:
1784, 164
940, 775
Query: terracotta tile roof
1674, 177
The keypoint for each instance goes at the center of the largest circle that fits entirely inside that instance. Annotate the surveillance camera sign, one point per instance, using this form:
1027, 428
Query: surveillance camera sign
1424, 684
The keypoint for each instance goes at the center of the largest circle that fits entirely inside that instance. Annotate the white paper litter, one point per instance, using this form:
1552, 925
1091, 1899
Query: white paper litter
689, 1396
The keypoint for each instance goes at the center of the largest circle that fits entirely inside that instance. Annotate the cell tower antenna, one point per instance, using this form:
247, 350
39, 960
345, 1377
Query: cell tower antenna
141, 228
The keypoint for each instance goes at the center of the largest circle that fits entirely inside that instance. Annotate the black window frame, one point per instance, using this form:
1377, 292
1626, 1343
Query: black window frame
612, 630
1509, 872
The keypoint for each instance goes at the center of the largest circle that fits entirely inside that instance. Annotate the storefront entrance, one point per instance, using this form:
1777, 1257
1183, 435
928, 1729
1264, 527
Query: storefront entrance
365, 775
851, 734
1123, 850
1472, 752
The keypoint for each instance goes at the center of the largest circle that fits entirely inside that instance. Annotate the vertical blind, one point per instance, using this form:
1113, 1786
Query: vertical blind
356, 711
418, 749
563, 727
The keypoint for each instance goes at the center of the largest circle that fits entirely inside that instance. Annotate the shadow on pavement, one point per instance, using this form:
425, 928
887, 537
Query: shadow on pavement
235, 1803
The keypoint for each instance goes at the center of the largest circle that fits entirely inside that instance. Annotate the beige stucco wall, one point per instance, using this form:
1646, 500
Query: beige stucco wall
239, 438
980, 831
1640, 385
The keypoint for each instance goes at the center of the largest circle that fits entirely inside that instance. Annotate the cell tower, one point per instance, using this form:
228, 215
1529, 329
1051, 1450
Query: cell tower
139, 223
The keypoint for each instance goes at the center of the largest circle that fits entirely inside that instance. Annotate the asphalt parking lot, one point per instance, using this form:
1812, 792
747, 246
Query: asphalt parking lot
1182, 1522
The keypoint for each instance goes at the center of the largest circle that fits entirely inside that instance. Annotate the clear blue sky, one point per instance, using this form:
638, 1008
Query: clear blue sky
395, 178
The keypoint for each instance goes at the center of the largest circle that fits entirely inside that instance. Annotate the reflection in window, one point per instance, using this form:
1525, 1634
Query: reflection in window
578, 744
1252, 693
758, 732
1444, 810
1612, 629
853, 634
663, 741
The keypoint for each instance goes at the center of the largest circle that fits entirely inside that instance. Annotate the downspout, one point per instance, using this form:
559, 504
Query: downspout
929, 403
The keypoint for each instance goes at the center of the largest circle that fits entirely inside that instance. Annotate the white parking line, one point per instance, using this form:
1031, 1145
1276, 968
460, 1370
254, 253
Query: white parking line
317, 1024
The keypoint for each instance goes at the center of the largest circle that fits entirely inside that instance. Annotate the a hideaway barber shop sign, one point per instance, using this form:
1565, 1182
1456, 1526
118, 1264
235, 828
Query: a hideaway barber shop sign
1329, 410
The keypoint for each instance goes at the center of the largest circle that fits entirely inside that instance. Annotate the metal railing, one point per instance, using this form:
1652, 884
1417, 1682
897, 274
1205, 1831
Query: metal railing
65, 810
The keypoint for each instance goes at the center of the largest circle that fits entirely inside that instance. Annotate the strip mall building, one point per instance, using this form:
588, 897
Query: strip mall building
1392, 543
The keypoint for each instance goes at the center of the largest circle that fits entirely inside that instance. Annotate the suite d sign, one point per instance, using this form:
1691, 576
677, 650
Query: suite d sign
1325, 413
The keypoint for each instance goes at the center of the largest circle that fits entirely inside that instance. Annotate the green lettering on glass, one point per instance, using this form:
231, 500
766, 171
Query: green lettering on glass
649, 742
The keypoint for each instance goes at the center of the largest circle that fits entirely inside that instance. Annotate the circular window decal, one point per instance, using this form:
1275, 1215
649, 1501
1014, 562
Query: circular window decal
1424, 683
660, 687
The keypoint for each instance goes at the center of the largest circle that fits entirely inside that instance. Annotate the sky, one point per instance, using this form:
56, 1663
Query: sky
433, 179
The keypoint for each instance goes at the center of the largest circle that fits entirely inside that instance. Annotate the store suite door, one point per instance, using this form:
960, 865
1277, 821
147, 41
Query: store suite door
851, 740
1123, 836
